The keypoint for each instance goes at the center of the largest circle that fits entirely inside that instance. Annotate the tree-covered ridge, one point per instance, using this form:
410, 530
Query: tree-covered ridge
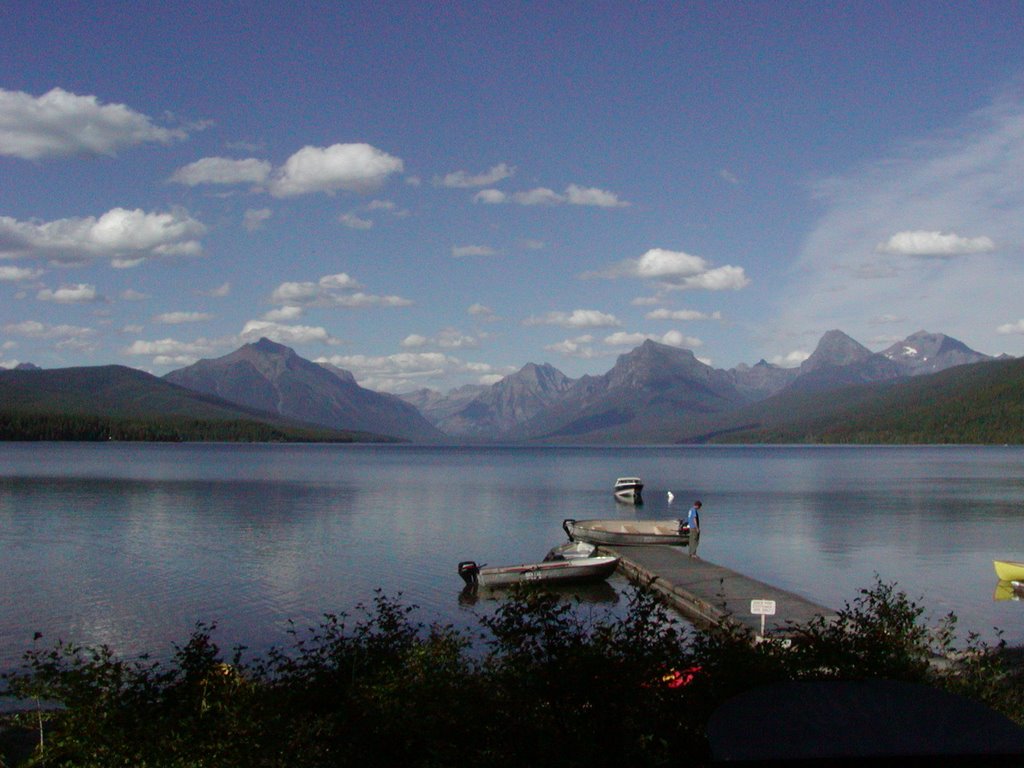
120, 403
979, 404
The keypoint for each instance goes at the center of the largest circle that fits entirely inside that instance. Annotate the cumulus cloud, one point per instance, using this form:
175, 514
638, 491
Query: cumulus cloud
126, 237
574, 194
70, 294
482, 312
677, 270
463, 180
682, 314
448, 338
166, 352
339, 290
177, 318
578, 318
286, 334
33, 329
18, 274
672, 339
222, 170
222, 290
933, 229
60, 123
1011, 328
404, 371
255, 218
460, 251
352, 221
348, 167
935, 244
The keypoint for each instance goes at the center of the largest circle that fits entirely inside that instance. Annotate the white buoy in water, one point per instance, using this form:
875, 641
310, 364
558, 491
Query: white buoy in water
670, 497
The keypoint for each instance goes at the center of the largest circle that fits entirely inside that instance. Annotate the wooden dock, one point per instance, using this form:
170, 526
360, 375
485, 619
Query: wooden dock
708, 594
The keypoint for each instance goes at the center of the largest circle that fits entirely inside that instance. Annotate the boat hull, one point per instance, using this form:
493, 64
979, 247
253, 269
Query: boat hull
553, 572
628, 490
1007, 570
627, 532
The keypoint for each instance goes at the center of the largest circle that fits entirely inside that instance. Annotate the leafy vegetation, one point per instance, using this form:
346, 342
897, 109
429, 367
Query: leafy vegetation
534, 687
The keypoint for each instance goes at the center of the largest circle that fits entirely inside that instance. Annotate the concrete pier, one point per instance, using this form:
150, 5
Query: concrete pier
708, 594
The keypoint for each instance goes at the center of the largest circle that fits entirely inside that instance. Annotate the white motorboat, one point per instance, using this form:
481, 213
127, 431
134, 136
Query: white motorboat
628, 489
627, 532
571, 550
552, 572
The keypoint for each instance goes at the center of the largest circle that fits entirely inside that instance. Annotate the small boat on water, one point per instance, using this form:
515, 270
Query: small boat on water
554, 572
1008, 570
627, 532
627, 489
571, 550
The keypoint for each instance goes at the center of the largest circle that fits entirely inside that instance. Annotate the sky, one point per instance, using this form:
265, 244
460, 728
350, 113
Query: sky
436, 194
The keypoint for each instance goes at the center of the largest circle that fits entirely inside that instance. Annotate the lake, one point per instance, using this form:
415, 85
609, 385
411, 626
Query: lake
132, 544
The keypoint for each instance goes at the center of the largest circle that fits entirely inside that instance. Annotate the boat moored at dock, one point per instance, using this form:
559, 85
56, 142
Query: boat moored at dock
627, 532
578, 570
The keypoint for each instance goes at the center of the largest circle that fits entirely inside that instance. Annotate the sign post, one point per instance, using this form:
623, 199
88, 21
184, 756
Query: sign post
762, 608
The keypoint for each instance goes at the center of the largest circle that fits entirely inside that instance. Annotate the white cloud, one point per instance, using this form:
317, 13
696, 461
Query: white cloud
18, 274
167, 352
682, 314
538, 196
574, 194
407, 370
578, 318
80, 293
33, 329
951, 195
490, 196
223, 170
579, 347
338, 290
349, 167
222, 290
791, 359
286, 334
177, 318
937, 244
482, 312
60, 123
672, 339
677, 270
460, 251
255, 218
448, 338
463, 180
577, 195
1011, 328
352, 221
124, 236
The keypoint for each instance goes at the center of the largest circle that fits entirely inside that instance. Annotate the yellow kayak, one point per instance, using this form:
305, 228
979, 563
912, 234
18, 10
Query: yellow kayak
1007, 570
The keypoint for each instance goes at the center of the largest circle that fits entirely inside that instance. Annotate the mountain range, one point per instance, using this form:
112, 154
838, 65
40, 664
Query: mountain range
652, 394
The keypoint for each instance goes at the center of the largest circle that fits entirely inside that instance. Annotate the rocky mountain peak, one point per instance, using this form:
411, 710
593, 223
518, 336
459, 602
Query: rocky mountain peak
835, 349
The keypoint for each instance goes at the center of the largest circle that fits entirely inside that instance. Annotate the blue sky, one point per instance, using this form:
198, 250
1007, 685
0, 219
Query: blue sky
434, 194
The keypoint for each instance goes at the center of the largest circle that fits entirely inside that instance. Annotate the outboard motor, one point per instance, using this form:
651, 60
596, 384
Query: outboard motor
469, 571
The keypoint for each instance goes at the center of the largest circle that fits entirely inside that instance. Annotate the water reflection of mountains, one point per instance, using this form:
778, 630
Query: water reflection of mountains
602, 592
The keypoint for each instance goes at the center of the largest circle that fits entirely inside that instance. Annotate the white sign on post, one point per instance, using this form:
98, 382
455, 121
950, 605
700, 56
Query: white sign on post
762, 608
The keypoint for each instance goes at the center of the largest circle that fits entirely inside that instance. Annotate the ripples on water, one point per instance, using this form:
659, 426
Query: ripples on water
131, 545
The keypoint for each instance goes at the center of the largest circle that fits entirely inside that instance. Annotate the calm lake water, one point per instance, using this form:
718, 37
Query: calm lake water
132, 544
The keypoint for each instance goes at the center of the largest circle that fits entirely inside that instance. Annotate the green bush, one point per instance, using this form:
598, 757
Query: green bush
538, 684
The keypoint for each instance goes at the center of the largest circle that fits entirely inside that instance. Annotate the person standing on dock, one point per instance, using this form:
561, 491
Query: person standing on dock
693, 523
